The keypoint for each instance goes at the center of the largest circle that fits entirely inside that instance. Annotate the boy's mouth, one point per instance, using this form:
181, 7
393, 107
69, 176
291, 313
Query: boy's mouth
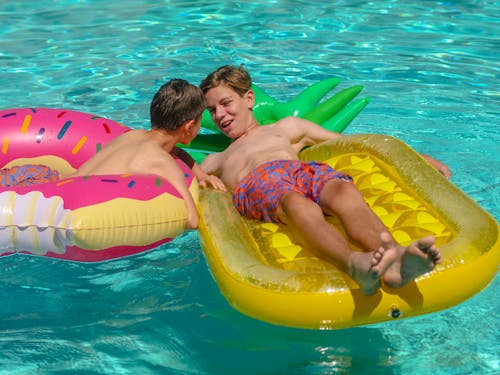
226, 124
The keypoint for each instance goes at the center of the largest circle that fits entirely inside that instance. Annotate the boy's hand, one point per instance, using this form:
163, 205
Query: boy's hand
441, 167
205, 179
211, 180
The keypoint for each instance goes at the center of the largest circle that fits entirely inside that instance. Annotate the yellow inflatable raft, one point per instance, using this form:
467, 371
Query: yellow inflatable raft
265, 274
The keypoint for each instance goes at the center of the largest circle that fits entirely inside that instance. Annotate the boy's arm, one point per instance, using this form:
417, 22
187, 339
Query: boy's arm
168, 168
305, 132
211, 163
204, 179
441, 167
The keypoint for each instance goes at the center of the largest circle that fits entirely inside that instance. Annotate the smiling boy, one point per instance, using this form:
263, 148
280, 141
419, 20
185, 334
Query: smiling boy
270, 183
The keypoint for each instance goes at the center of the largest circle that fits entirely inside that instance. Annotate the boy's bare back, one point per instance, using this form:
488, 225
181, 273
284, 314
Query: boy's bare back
134, 152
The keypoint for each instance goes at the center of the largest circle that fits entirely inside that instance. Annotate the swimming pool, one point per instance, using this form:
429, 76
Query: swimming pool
432, 74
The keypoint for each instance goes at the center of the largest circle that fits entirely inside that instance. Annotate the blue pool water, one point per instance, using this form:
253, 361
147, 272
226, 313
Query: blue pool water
431, 70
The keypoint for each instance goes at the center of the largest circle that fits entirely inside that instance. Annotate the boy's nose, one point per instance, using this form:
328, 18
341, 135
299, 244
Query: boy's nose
219, 113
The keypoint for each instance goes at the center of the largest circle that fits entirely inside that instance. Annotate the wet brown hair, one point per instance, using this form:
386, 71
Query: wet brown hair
176, 102
237, 78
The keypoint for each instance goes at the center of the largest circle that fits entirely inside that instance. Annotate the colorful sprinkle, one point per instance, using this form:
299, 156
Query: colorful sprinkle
5, 145
9, 114
158, 181
131, 184
106, 128
79, 145
64, 182
26, 124
108, 180
61, 114
39, 136
98, 147
64, 129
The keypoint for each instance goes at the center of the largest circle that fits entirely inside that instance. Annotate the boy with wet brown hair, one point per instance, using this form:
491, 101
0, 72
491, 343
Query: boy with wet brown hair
269, 182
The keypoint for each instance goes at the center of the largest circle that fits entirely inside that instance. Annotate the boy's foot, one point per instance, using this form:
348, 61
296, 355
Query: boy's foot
367, 269
417, 259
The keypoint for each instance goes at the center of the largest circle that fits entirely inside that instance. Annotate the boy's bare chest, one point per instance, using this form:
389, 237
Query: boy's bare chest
260, 142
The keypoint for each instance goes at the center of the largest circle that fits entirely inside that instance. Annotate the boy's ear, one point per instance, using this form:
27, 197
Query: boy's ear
250, 95
188, 127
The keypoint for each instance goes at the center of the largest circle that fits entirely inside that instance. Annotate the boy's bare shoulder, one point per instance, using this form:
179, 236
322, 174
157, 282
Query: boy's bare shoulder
135, 133
291, 125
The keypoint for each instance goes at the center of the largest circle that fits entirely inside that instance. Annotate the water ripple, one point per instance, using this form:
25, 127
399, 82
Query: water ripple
431, 71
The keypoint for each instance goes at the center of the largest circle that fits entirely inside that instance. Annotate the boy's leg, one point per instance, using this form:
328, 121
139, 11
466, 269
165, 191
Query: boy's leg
366, 229
344, 200
308, 223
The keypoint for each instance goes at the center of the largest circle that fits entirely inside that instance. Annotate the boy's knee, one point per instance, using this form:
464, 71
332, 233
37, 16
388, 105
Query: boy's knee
337, 194
292, 202
339, 187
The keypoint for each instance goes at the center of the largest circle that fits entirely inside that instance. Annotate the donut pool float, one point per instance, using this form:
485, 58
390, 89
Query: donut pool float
87, 219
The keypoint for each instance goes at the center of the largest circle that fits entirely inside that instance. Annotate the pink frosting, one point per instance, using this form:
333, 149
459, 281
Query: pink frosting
31, 132
75, 137
64, 132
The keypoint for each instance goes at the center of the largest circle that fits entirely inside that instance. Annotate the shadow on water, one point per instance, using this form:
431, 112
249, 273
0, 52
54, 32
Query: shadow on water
229, 342
158, 312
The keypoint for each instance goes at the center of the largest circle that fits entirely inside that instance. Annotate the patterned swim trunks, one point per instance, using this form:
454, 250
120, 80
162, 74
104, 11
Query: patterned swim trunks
25, 175
258, 194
